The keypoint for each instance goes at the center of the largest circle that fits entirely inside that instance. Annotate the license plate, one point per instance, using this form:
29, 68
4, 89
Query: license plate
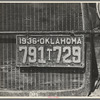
50, 50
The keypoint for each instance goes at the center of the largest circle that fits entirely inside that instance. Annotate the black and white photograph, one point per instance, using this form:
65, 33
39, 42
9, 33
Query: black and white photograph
49, 49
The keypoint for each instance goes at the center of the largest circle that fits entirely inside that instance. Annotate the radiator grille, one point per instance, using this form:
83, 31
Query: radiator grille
36, 17
40, 17
39, 79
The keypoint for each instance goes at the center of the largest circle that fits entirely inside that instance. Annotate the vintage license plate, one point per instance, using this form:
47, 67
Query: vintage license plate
50, 50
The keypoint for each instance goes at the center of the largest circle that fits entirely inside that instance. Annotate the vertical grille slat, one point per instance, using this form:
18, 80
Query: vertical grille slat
27, 81
7, 64
3, 67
